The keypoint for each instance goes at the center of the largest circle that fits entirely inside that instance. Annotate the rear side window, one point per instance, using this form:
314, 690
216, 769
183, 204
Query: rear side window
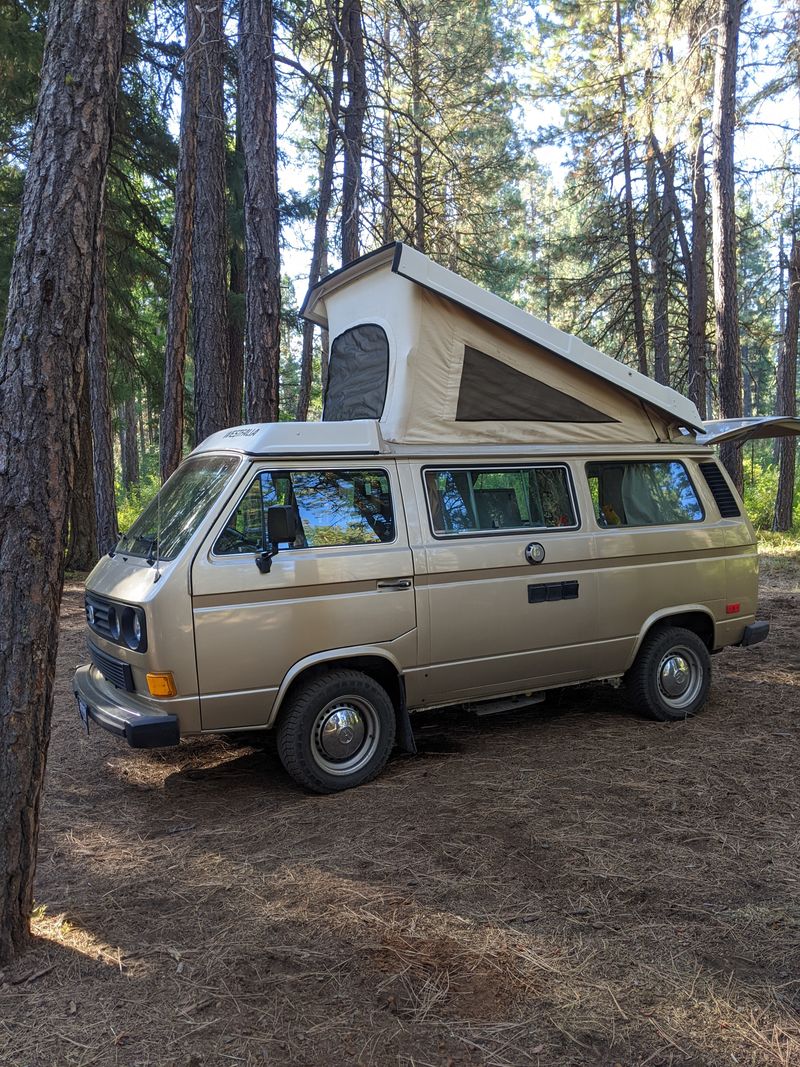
486, 500
642, 494
333, 507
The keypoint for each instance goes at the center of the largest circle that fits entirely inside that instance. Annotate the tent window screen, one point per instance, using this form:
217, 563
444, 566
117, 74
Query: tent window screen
491, 390
493, 499
642, 494
358, 375
333, 507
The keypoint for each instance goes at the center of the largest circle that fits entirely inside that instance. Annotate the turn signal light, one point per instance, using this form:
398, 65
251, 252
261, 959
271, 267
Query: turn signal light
161, 684
733, 609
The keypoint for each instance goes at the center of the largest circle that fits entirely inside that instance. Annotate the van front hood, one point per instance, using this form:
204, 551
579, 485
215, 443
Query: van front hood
131, 579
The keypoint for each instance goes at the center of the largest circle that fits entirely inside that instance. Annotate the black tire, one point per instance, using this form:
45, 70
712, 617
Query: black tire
323, 718
671, 675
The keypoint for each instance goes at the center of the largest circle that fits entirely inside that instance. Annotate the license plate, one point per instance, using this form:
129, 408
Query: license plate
83, 711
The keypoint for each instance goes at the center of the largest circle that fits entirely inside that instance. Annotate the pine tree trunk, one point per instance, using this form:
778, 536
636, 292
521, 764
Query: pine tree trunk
237, 275
786, 403
319, 248
209, 238
171, 443
353, 34
630, 221
102, 431
387, 208
42, 364
723, 232
659, 211
697, 279
129, 451
82, 541
324, 337
258, 94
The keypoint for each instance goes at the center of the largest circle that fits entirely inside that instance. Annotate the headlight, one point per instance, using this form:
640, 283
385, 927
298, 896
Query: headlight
133, 631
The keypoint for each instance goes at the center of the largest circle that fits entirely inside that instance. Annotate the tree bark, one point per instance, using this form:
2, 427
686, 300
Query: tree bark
416, 111
353, 34
236, 300
105, 501
209, 239
129, 451
697, 279
324, 336
320, 245
387, 208
82, 540
42, 364
786, 403
171, 443
630, 221
659, 212
723, 233
258, 95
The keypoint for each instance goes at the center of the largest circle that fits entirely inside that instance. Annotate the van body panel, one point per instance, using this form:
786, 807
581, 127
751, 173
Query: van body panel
170, 633
251, 628
397, 654
460, 620
478, 625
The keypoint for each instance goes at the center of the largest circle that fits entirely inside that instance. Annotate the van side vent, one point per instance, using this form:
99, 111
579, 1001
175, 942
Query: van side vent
726, 501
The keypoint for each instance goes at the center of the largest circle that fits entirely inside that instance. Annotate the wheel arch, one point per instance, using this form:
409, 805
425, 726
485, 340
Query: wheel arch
373, 661
694, 617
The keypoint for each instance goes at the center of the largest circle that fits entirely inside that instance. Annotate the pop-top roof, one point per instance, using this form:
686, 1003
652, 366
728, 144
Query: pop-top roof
360, 279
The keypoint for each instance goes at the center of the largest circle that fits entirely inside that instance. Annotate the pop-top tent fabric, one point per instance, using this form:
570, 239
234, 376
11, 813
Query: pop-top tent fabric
438, 360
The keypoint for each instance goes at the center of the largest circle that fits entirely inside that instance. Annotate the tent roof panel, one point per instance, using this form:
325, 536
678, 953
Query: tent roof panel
413, 265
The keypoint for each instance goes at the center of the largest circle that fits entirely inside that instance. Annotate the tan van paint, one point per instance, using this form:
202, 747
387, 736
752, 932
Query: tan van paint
450, 616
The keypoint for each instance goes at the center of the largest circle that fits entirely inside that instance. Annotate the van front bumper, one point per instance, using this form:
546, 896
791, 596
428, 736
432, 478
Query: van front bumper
140, 729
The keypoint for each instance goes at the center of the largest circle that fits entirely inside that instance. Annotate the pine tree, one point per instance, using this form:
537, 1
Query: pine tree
42, 364
258, 91
209, 238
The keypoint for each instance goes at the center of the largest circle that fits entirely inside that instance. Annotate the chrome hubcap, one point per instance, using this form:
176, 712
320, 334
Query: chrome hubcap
346, 734
680, 677
675, 676
342, 733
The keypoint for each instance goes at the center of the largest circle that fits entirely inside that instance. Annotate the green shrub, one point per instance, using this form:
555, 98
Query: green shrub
132, 502
760, 490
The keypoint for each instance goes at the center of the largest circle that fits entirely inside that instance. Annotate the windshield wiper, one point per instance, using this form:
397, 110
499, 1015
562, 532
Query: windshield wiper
151, 544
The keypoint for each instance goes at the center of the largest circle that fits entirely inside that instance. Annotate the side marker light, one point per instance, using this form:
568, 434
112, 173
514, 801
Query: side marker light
161, 684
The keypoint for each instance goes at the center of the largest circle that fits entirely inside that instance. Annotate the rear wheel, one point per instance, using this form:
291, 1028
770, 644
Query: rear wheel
671, 675
337, 731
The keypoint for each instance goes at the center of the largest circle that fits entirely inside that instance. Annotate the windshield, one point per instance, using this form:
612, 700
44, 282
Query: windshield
185, 500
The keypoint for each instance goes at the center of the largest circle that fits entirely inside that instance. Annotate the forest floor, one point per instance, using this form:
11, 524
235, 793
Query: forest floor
570, 886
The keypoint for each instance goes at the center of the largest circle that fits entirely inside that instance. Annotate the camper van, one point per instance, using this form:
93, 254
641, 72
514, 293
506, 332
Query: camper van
489, 509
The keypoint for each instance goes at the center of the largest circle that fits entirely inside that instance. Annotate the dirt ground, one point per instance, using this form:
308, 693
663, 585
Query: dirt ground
569, 886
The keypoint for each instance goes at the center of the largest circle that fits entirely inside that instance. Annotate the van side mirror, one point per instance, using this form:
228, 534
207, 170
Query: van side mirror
281, 527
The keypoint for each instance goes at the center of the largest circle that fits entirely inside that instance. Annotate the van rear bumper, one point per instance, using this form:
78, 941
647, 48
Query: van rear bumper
140, 729
754, 634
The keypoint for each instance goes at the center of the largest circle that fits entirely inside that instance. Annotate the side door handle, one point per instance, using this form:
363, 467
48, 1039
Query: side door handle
395, 583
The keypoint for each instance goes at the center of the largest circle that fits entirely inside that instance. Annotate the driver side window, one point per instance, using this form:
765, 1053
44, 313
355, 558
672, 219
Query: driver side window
333, 507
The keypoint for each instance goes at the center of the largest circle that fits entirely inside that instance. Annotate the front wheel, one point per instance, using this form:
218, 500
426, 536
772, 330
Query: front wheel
671, 675
337, 731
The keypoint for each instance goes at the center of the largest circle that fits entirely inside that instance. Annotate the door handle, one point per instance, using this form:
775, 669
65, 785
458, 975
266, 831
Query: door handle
395, 583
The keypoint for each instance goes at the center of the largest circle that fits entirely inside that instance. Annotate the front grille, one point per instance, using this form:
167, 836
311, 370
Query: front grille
100, 616
726, 501
113, 670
